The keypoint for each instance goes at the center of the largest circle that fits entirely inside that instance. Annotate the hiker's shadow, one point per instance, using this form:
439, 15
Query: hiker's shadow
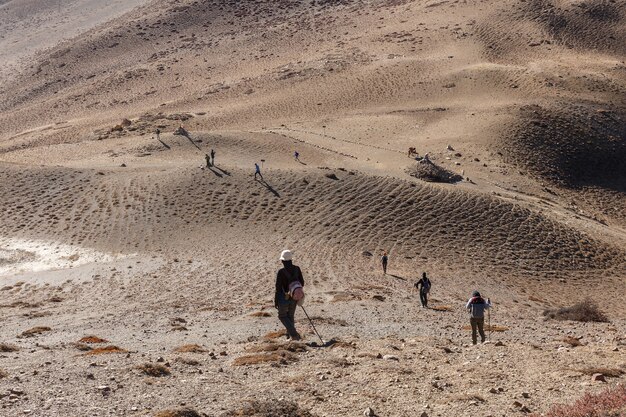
269, 187
397, 277
301, 163
215, 172
164, 144
222, 170
188, 136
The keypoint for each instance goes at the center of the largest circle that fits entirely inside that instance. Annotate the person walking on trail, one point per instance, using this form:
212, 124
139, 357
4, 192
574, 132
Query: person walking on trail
476, 307
384, 259
424, 287
257, 171
212, 156
208, 160
158, 134
289, 280
296, 155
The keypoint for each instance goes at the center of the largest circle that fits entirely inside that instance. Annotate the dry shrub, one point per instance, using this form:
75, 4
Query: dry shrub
82, 346
441, 308
572, 341
340, 344
610, 372
260, 314
273, 347
5, 347
585, 311
3, 374
428, 171
188, 361
105, 350
190, 349
488, 328
279, 356
275, 335
155, 370
269, 409
92, 339
184, 412
609, 403
35, 330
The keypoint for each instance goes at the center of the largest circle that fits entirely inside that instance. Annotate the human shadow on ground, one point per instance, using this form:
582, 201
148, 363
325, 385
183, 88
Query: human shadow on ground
222, 170
164, 144
266, 185
397, 277
188, 136
302, 163
215, 172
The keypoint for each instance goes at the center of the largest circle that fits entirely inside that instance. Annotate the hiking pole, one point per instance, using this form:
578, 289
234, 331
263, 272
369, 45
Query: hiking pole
312, 325
489, 321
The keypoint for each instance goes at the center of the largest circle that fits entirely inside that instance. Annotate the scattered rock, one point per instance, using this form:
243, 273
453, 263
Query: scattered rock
369, 412
598, 378
390, 358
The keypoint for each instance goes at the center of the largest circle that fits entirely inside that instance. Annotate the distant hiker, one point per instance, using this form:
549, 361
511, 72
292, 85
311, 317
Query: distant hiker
208, 160
158, 134
424, 286
477, 306
213, 156
289, 283
257, 171
384, 259
296, 155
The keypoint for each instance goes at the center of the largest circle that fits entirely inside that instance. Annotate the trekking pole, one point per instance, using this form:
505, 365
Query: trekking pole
489, 322
312, 325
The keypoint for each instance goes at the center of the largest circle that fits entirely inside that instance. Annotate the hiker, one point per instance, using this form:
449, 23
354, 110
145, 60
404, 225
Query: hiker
158, 134
384, 260
288, 280
208, 160
477, 306
296, 155
212, 156
257, 171
424, 286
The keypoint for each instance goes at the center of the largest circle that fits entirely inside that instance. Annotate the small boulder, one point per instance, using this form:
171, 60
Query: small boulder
598, 378
369, 412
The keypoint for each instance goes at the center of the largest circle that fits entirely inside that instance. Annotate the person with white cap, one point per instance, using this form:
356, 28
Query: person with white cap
289, 283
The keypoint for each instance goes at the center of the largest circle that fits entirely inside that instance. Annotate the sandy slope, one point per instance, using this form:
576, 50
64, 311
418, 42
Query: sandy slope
133, 240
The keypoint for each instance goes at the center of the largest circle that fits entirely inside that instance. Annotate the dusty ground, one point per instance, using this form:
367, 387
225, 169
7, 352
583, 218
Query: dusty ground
109, 231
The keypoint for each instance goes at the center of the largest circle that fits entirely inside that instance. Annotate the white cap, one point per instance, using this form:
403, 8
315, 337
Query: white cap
286, 255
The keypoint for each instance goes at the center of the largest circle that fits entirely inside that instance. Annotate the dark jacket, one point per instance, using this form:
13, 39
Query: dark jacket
424, 283
284, 277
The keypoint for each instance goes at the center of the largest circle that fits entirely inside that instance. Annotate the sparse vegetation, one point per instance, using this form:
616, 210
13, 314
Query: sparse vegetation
610, 372
260, 314
5, 347
35, 331
609, 403
279, 356
275, 335
441, 308
105, 350
269, 409
585, 311
428, 171
184, 412
273, 347
190, 349
152, 369
572, 341
92, 339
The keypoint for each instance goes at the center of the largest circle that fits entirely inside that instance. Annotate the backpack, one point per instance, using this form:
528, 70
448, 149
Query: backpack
296, 292
426, 285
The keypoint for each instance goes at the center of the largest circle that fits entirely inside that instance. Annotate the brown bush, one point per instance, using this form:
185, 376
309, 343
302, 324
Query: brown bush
441, 308
105, 350
609, 403
269, 409
279, 356
428, 171
152, 369
184, 412
92, 339
610, 372
572, 341
275, 335
273, 347
5, 347
585, 311
3, 374
190, 349
34, 331
260, 314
